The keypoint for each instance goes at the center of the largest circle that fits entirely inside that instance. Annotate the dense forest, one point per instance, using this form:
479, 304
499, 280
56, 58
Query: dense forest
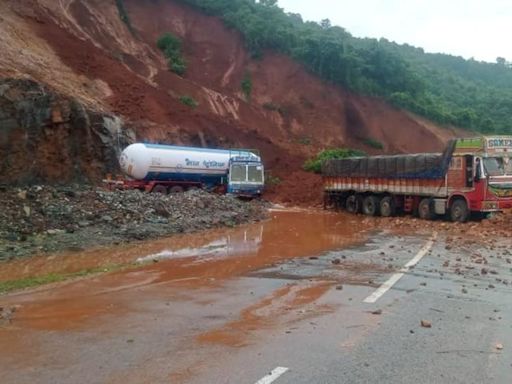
444, 88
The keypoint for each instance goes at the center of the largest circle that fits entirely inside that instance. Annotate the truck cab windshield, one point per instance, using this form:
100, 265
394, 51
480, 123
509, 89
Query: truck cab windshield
255, 173
238, 173
496, 166
242, 173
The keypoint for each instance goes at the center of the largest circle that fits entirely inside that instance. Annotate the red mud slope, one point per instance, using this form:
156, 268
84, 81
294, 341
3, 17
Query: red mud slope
82, 49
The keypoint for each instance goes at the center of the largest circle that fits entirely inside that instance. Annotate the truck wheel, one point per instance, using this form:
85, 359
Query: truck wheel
352, 204
426, 209
176, 189
160, 189
387, 206
371, 205
459, 211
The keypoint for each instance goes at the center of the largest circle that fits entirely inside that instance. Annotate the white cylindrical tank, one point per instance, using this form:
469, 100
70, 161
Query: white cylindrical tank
153, 161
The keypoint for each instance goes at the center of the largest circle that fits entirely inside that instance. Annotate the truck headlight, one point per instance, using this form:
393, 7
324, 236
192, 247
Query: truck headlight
490, 205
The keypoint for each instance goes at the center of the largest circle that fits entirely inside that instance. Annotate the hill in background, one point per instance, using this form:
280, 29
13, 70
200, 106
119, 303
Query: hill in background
446, 89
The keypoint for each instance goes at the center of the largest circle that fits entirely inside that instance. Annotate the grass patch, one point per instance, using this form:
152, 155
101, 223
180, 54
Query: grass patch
247, 86
373, 143
271, 180
305, 141
275, 108
36, 281
190, 101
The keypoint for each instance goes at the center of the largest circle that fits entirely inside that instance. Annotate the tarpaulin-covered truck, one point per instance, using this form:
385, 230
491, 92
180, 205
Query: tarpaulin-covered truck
472, 175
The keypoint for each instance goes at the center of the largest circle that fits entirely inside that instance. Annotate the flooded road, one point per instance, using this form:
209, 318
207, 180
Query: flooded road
190, 306
287, 234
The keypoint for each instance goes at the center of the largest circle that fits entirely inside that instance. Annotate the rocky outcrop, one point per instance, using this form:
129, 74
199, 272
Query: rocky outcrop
45, 137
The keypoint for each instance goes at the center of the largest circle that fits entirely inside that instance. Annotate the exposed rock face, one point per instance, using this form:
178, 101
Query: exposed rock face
50, 138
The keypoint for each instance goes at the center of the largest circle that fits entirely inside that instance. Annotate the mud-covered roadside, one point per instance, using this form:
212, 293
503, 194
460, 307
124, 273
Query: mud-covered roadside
44, 219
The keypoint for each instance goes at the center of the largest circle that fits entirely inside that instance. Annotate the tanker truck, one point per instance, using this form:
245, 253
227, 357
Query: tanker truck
172, 169
473, 175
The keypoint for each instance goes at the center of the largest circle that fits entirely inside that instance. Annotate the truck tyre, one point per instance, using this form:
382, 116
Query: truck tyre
459, 211
371, 205
387, 206
176, 189
426, 209
353, 204
160, 189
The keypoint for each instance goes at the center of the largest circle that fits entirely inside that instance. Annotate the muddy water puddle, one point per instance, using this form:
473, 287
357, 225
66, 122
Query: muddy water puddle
186, 263
287, 234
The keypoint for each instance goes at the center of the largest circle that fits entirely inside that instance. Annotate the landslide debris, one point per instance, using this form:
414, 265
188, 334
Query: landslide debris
46, 219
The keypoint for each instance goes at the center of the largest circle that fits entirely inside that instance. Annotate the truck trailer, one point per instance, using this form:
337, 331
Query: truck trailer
472, 175
172, 169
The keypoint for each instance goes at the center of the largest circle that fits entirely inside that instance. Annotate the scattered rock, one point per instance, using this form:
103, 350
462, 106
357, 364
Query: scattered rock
377, 312
107, 219
93, 216
22, 195
54, 232
426, 324
7, 315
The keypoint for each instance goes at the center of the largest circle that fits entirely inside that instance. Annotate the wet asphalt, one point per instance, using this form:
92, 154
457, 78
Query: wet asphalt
305, 314
352, 345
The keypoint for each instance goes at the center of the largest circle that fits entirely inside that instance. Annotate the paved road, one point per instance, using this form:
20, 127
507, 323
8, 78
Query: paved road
307, 319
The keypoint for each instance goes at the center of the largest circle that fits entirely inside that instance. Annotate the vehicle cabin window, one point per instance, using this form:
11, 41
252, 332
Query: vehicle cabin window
238, 172
254, 174
494, 166
508, 166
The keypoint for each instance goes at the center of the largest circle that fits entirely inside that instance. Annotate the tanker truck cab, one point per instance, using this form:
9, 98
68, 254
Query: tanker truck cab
246, 175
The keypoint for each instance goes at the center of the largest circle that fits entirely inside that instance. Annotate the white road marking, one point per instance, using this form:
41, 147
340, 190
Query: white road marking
273, 376
397, 276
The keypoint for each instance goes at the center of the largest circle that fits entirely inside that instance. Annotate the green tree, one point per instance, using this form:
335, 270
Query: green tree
170, 45
315, 164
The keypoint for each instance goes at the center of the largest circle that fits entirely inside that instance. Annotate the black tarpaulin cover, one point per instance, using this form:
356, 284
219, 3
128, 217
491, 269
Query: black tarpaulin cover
421, 166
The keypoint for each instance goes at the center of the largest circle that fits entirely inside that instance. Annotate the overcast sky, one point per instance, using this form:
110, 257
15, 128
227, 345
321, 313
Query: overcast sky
469, 28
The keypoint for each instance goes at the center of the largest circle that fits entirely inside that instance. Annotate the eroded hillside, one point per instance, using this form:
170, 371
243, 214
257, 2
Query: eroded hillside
83, 52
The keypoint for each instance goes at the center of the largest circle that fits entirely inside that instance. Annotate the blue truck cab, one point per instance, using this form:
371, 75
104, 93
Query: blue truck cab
246, 175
